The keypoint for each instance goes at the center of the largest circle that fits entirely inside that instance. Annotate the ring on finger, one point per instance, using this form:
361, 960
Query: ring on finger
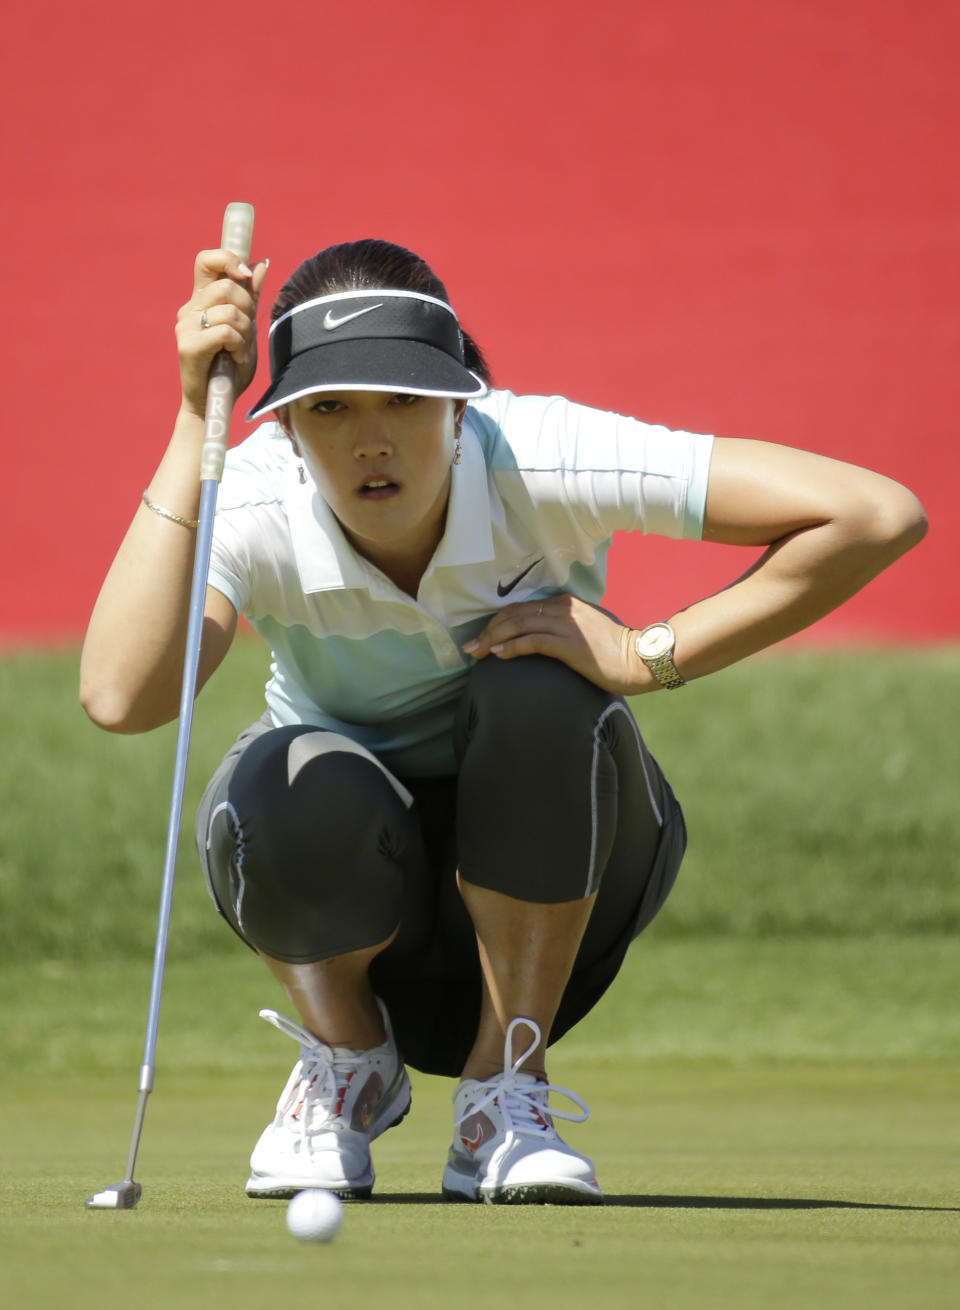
204, 321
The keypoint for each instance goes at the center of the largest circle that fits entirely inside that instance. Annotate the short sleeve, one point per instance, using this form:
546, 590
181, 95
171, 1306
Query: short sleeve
617, 472
247, 498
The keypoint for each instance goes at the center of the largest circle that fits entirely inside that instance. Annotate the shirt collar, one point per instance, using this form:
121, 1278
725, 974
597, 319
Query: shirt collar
327, 562
325, 559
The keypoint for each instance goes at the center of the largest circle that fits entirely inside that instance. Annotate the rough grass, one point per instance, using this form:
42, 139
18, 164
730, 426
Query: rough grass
790, 1000
820, 793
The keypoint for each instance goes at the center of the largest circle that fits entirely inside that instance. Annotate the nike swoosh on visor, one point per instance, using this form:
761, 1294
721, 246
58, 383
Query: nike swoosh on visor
329, 322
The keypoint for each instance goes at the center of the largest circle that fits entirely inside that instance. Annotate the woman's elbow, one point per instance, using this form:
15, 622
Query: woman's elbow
881, 521
106, 704
899, 520
105, 708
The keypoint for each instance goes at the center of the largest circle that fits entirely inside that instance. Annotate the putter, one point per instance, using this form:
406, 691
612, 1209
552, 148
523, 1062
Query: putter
237, 236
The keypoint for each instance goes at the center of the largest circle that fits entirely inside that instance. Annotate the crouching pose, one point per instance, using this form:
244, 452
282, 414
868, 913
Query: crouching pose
446, 830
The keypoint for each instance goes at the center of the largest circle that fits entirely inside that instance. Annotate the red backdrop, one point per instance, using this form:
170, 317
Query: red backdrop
738, 216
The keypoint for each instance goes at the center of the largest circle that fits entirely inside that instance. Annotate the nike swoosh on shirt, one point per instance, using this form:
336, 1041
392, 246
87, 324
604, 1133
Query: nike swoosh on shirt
505, 589
329, 322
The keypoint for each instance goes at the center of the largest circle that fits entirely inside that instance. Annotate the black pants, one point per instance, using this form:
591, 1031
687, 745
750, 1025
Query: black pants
313, 849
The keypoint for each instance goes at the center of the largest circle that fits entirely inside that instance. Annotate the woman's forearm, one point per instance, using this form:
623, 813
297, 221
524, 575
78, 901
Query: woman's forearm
132, 660
795, 582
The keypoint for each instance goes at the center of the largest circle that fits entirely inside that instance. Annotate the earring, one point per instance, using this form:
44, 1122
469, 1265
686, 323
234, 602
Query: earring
458, 449
302, 476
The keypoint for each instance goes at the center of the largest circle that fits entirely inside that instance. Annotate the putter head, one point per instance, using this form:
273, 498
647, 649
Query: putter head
121, 1196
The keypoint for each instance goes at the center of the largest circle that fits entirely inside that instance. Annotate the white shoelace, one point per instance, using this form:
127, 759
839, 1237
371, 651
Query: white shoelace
524, 1105
319, 1081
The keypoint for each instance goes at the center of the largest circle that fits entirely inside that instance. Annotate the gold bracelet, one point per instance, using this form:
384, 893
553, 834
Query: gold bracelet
168, 514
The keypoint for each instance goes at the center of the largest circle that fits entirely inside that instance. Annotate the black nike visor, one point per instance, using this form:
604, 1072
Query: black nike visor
379, 340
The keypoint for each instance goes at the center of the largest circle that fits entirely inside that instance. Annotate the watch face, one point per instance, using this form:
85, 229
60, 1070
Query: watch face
655, 641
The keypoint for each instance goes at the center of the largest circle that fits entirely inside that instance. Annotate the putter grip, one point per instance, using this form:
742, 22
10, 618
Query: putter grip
237, 237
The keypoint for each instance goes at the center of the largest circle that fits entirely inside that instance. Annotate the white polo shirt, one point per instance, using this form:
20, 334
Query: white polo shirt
542, 485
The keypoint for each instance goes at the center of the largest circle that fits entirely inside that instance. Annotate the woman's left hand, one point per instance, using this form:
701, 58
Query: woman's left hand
567, 629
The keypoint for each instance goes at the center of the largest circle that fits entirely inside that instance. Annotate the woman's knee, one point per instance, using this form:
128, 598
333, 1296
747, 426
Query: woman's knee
310, 800
554, 779
533, 702
305, 852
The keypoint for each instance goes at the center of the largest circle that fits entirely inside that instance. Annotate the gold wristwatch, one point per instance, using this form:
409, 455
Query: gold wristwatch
655, 646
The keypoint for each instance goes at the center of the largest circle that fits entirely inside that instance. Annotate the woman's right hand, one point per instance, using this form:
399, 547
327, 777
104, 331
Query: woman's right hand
228, 291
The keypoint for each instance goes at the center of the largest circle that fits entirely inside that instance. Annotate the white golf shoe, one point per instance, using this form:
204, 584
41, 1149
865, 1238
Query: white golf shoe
505, 1148
335, 1103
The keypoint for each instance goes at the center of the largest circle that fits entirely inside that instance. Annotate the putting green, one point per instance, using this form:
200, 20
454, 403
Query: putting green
815, 1177
727, 1187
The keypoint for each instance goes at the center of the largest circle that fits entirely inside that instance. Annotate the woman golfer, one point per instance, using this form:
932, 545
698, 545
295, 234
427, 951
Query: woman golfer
445, 830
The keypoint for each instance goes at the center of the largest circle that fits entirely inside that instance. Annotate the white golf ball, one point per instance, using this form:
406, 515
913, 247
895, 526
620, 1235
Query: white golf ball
315, 1215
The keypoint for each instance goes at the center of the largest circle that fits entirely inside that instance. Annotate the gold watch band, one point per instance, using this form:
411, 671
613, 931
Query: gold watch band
665, 671
654, 646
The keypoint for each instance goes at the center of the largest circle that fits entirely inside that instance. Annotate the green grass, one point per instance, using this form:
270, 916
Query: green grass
783, 1170
820, 793
889, 999
737, 1190
757, 1147
773, 1076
